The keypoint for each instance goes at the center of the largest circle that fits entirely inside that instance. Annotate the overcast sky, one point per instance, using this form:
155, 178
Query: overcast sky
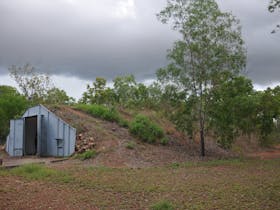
79, 40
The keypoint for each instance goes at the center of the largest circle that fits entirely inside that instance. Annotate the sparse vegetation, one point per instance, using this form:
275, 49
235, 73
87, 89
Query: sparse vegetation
162, 205
40, 172
145, 129
130, 145
86, 155
253, 185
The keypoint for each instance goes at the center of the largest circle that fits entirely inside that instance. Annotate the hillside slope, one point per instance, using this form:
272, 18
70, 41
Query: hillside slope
111, 141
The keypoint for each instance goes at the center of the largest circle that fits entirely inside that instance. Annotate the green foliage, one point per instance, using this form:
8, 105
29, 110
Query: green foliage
232, 109
86, 155
211, 44
125, 89
100, 111
58, 96
162, 205
130, 145
268, 114
98, 93
164, 141
33, 85
145, 129
40, 172
12, 105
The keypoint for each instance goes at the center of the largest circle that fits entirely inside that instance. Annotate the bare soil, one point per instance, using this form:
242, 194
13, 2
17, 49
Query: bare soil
266, 154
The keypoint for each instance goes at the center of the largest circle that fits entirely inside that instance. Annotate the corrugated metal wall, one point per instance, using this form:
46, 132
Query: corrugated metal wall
55, 137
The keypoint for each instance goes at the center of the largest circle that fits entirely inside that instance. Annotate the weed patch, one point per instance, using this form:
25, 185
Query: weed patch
40, 172
86, 155
162, 205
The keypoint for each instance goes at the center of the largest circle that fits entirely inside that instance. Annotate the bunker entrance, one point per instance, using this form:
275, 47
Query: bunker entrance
31, 136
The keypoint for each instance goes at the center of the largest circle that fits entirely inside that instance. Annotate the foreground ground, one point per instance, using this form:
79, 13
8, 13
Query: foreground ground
216, 184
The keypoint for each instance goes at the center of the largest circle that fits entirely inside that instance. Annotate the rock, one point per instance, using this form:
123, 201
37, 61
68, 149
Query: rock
114, 129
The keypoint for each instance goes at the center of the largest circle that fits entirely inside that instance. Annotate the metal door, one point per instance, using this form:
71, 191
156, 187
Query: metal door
16, 137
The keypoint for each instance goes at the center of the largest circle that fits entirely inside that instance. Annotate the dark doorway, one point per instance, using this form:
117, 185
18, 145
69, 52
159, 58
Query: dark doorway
30, 140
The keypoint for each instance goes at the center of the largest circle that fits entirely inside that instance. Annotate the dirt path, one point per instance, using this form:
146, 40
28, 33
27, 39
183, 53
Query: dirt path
268, 154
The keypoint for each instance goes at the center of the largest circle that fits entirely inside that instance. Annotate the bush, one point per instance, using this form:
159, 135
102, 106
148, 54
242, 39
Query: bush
100, 111
12, 105
87, 155
162, 205
164, 141
142, 127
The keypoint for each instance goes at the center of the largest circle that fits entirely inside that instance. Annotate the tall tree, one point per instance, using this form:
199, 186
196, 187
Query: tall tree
98, 93
211, 44
33, 85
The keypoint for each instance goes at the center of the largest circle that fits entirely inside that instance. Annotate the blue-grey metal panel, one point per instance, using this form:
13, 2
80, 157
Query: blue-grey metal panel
72, 140
16, 137
8, 145
39, 134
67, 140
52, 128
44, 147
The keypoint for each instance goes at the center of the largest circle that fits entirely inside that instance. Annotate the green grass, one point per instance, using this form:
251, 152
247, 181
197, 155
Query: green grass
103, 112
39, 172
145, 129
106, 113
86, 155
162, 205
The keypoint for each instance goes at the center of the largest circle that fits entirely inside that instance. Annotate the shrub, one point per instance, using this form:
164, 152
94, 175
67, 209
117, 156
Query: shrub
87, 155
162, 205
130, 145
100, 111
164, 141
123, 123
142, 127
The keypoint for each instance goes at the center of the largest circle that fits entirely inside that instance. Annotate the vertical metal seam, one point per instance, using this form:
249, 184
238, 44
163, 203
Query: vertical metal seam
14, 138
69, 140
63, 137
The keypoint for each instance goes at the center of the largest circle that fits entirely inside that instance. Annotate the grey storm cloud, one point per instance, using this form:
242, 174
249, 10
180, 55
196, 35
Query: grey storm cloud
90, 38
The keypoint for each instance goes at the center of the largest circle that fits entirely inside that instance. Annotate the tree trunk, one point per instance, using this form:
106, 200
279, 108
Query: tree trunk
201, 122
202, 144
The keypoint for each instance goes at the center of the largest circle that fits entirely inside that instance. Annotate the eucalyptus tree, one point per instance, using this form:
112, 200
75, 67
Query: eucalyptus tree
33, 85
210, 44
